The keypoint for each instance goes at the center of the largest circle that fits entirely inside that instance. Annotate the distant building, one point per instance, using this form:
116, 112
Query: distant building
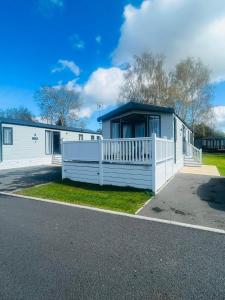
211, 144
27, 143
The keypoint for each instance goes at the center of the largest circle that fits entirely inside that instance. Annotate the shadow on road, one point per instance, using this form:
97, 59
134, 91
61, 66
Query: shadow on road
213, 192
14, 179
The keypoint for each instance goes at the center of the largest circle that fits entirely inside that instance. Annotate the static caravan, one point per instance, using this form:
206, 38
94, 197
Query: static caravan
27, 143
211, 144
143, 146
136, 120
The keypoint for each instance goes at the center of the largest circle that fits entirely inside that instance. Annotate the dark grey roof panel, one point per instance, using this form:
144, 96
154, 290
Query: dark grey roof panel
135, 106
138, 107
43, 125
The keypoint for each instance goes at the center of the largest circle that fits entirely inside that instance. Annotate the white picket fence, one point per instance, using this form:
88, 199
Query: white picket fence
139, 162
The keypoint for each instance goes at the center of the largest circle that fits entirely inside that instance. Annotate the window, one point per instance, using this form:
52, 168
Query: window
48, 142
115, 130
127, 130
81, 137
7, 135
175, 129
154, 125
98, 137
92, 137
139, 130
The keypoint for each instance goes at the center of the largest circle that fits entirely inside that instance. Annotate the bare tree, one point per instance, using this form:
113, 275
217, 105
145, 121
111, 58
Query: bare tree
193, 91
21, 113
187, 88
58, 105
146, 80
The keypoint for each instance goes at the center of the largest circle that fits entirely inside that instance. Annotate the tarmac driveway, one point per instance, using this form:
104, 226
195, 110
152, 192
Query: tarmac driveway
15, 179
192, 199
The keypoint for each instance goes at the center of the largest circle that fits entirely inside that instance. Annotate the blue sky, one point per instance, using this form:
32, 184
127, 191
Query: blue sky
96, 37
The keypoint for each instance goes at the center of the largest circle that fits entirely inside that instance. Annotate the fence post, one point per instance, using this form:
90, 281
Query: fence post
154, 179
62, 154
201, 156
166, 149
100, 178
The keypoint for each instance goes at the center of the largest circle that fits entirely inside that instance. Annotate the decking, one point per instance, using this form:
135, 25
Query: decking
140, 162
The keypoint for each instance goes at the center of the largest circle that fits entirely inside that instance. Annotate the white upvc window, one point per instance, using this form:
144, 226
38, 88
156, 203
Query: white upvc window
7, 136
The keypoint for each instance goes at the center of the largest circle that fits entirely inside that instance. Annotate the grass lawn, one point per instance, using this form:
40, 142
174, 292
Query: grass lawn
216, 159
109, 197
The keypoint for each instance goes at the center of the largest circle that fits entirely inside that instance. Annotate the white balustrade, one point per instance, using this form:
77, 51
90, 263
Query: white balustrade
133, 150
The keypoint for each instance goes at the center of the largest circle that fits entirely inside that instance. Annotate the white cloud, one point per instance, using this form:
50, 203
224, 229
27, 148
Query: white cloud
98, 39
66, 64
103, 86
177, 29
219, 113
77, 42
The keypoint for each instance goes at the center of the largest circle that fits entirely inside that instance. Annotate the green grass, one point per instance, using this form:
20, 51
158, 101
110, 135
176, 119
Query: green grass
109, 197
216, 159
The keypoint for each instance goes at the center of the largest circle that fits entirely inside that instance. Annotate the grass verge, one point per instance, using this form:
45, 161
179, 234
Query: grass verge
216, 159
127, 200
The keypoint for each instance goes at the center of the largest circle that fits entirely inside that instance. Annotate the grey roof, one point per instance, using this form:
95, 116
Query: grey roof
135, 106
139, 107
43, 125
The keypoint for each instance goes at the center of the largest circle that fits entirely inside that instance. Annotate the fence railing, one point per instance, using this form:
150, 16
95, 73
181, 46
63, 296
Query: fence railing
155, 157
132, 150
165, 149
194, 152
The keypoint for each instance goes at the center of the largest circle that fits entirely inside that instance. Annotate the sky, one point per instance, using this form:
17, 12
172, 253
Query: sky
85, 44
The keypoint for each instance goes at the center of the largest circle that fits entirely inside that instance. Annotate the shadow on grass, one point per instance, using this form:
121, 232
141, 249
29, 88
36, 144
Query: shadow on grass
96, 187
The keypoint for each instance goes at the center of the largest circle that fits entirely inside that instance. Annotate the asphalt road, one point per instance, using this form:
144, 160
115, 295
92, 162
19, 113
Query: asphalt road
14, 179
50, 251
192, 199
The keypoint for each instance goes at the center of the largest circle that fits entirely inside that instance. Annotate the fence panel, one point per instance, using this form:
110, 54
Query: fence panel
134, 150
164, 161
81, 150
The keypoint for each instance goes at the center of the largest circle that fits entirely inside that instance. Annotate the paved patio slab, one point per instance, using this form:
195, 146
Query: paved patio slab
202, 170
190, 198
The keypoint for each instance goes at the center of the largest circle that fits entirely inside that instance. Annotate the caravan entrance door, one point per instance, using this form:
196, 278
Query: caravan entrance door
56, 143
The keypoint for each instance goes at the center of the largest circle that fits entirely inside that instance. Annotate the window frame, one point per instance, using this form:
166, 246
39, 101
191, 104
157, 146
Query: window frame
159, 118
92, 137
118, 122
50, 142
3, 137
81, 137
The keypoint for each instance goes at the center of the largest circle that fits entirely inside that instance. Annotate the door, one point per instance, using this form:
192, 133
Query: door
133, 130
56, 143
127, 130
139, 129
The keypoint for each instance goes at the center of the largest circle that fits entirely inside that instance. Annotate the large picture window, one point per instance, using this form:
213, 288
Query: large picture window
7, 136
127, 130
154, 125
48, 142
115, 130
